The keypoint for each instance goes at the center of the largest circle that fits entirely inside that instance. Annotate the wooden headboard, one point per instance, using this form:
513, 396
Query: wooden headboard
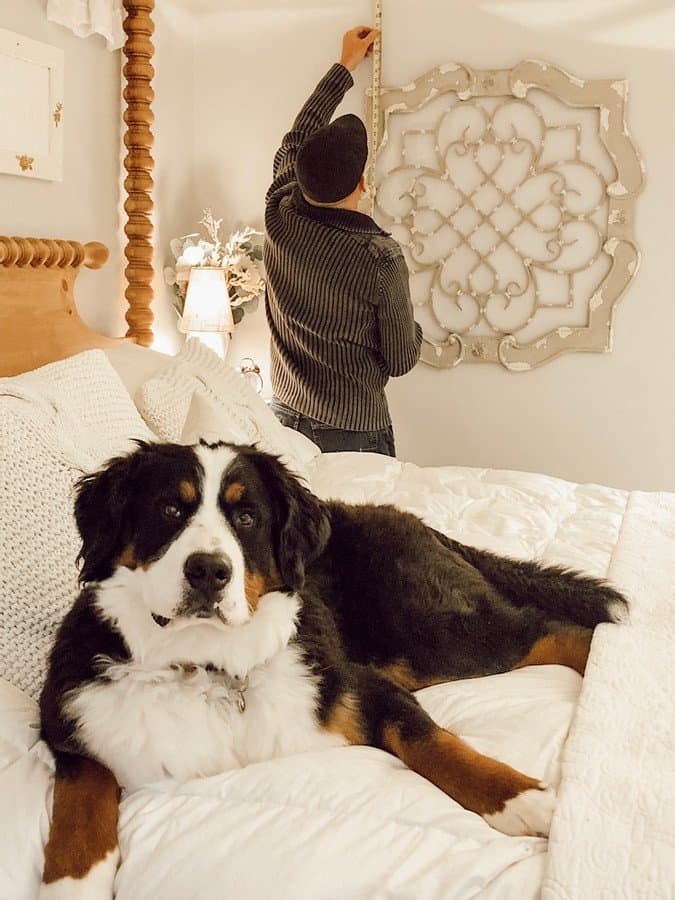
39, 322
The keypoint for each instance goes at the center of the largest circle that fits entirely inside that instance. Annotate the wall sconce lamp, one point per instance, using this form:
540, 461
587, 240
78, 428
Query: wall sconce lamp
207, 314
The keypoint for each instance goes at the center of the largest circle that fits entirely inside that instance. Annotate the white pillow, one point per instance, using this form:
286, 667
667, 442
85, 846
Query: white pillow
135, 364
210, 420
301, 447
56, 423
200, 396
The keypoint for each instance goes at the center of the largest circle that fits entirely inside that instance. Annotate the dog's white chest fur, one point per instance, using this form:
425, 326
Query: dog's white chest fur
163, 714
179, 724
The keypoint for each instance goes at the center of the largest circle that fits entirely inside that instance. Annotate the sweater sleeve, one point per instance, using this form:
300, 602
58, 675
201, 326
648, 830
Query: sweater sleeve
316, 113
400, 334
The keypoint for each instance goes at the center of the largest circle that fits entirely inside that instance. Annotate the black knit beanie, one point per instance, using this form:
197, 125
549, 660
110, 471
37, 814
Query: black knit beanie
330, 162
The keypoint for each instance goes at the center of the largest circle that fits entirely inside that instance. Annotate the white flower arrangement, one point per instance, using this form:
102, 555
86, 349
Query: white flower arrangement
240, 256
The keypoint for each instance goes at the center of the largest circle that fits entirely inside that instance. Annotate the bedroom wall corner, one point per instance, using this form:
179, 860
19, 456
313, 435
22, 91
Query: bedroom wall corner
84, 205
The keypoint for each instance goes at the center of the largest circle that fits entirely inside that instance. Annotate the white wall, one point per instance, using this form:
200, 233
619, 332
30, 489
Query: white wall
84, 206
586, 417
231, 78
174, 149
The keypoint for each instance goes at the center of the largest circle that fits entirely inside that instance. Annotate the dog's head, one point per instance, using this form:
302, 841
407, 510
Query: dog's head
201, 531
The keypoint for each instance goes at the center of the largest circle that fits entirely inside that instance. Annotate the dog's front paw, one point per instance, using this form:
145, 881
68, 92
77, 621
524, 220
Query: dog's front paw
265, 634
529, 812
279, 609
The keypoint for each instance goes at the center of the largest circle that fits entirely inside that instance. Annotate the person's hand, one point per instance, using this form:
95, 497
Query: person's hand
356, 43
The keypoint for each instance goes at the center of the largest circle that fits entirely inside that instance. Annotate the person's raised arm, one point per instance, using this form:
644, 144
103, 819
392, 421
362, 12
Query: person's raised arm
323, 102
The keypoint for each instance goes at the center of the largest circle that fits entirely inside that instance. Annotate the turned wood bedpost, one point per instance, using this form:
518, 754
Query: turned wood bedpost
138, 162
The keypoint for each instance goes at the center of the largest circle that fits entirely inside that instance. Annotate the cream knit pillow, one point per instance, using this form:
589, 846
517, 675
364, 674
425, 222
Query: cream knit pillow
56, 423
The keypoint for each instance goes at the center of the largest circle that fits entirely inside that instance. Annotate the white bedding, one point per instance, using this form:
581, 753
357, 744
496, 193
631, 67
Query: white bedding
613, 834
353, 822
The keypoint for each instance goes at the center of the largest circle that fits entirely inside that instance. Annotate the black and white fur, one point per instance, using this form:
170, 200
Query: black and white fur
229, 616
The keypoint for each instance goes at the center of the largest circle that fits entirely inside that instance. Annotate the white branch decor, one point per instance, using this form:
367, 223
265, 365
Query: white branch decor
512, 193
240, 256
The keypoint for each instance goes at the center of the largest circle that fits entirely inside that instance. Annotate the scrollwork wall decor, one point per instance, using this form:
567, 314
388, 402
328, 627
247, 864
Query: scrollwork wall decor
512, 193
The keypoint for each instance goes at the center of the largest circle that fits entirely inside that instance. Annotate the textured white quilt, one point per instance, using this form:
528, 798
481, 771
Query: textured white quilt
353, 822
613, 835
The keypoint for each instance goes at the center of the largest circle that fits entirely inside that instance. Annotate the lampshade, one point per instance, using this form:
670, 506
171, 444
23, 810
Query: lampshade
207, 303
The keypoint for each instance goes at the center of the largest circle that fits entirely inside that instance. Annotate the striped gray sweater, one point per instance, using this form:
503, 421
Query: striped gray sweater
338, 300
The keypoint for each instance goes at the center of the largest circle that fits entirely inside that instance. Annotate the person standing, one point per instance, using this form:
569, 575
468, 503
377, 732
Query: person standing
338, 298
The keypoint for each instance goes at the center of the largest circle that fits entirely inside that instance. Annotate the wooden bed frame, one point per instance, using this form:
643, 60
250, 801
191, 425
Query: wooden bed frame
138, 95
39, 322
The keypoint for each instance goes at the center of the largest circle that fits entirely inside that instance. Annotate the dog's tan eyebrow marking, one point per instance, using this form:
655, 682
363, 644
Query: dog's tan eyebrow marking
187, 491
234, 492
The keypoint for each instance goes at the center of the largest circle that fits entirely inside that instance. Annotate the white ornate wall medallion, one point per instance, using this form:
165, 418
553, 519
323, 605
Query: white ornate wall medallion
31, 107
512, 193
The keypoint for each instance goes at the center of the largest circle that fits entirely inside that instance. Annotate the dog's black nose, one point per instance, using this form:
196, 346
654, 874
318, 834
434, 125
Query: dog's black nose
208, 572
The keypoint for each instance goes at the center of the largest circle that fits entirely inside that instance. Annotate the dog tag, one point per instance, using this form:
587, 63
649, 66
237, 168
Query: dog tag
240, 685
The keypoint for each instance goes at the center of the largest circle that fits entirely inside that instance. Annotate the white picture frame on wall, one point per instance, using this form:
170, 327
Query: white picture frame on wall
31, 107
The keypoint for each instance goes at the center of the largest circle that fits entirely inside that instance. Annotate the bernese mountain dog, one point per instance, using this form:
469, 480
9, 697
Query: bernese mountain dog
229, 616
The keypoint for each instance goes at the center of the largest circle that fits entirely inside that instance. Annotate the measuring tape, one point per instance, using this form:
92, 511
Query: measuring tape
375, 102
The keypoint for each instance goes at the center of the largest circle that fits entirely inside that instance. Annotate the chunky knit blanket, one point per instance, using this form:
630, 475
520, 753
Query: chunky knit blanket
56, 423
613, 835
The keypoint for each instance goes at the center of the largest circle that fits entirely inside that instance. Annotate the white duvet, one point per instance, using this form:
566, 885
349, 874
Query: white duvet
353, 822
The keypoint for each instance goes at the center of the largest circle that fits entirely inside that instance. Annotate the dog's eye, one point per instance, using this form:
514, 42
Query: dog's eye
171, 511
244, 520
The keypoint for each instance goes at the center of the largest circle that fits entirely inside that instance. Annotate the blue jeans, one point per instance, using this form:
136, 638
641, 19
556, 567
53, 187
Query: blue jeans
334, 440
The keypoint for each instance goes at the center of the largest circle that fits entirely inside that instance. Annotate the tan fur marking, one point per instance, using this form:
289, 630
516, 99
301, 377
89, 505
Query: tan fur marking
345, 719
254, 588
187, 491
84, 822
256, 584
569, 647
401, 674
479, 783
128, 557
234, 492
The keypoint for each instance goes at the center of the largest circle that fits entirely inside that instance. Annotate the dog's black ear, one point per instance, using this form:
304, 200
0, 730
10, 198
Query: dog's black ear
100, 513
303, 524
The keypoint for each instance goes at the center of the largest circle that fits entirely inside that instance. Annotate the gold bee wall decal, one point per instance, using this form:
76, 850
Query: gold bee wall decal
25, 162
57, 113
